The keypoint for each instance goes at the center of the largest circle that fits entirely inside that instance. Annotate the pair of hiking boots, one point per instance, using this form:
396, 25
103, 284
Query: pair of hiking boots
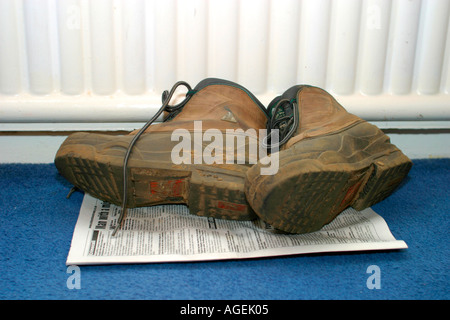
296, 164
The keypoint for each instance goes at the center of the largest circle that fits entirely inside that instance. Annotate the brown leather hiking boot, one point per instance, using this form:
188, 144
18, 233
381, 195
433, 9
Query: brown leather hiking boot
158, 169
329, 160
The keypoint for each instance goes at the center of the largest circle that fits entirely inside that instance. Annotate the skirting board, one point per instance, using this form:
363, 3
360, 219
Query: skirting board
35, 148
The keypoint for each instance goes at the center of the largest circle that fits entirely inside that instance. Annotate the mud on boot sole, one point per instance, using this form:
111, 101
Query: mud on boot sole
96, 167
319, 178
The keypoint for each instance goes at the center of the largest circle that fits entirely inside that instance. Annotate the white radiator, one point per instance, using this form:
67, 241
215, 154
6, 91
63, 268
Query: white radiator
78, 61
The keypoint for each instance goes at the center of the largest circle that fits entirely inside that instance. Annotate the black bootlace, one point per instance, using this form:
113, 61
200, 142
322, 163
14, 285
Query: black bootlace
284, 118
173, 111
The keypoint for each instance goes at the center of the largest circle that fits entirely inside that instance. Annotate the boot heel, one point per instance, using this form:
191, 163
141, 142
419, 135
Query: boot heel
218, 194
389, 171
303, 195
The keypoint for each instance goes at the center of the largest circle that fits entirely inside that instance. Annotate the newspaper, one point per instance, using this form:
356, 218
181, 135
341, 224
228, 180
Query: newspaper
169, 233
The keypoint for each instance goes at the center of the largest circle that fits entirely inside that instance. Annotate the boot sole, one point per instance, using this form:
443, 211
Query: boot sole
208, 190
360, 168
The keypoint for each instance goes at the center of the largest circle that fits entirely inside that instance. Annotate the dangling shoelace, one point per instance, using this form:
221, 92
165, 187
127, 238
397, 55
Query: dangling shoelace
173, 110
284, 118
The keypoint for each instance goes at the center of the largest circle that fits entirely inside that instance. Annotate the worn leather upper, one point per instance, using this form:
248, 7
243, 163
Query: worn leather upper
218, 106
319, 114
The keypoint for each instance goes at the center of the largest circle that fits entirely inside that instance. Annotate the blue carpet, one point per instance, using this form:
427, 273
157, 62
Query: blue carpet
37, 222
